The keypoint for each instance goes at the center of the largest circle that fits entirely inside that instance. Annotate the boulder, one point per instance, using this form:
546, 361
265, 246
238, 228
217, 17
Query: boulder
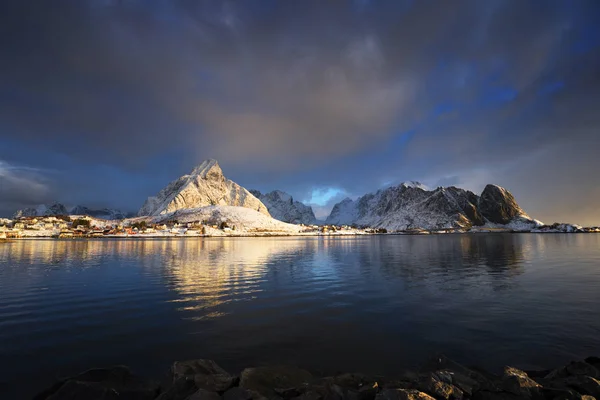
84, 391
535, 374
438, 388
575, 368
354, 380
517, 382
493, 395
368, 392
202, 394
207, 374
102, 383
310, 395
560, 394
595, 361
337, 392
237, 393
462, 375
463, 382
288, 393
265, 380
181, 388
402, 394
585, 385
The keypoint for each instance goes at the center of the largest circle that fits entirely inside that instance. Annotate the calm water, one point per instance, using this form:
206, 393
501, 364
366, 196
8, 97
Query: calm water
373, 304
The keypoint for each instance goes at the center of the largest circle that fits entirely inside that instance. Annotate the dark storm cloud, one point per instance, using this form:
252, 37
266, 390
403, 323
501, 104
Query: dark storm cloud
308, 95
21, 186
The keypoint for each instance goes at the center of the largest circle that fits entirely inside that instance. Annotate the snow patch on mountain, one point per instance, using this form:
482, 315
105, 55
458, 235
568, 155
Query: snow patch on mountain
283, 207
415, 184
242, 219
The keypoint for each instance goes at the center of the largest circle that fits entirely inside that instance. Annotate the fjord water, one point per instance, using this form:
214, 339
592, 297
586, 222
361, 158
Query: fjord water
374, 304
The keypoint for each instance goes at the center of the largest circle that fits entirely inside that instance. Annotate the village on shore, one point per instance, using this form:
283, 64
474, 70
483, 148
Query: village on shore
206, 203
82, 226
67, 227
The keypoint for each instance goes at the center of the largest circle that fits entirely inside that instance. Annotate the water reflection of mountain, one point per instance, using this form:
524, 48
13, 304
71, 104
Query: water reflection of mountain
454, 261
211, 266
210, 273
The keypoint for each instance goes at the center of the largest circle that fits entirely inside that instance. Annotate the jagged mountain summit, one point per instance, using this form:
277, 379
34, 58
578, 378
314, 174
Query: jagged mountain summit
283, 207
104, 213
42, 210
204, 186
59, 209
409, 206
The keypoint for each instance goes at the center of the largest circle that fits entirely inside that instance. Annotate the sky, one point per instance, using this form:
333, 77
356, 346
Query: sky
103, 102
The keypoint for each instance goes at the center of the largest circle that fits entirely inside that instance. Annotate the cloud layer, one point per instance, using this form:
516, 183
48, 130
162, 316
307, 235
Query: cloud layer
306, 96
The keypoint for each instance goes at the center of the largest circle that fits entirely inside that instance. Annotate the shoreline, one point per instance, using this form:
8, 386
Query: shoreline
440, 378
285, 234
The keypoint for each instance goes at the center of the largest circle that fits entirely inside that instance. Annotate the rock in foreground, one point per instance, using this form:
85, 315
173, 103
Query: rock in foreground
102, 383
439, 379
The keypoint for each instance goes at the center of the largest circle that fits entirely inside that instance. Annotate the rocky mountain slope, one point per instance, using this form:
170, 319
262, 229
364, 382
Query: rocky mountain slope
204, 186
42, 210
410, 205
104, 213
283, 207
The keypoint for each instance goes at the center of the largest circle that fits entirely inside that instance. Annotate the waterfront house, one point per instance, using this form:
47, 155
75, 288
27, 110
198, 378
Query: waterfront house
13, 233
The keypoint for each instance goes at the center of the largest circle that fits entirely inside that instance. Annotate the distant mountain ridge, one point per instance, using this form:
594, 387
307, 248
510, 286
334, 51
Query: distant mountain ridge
405, 206
41, 210
104, 213
204, 186
411, 205
54, 209
283, 207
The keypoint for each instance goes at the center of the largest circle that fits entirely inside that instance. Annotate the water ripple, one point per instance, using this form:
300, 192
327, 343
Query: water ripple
375, 304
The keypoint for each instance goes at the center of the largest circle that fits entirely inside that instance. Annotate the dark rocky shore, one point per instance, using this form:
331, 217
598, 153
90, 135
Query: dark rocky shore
440, 378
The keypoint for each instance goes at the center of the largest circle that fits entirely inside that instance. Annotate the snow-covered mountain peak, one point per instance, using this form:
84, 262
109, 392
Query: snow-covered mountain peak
205, 186
42, 210
208, 169
414, 184
283, 207
282, 196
